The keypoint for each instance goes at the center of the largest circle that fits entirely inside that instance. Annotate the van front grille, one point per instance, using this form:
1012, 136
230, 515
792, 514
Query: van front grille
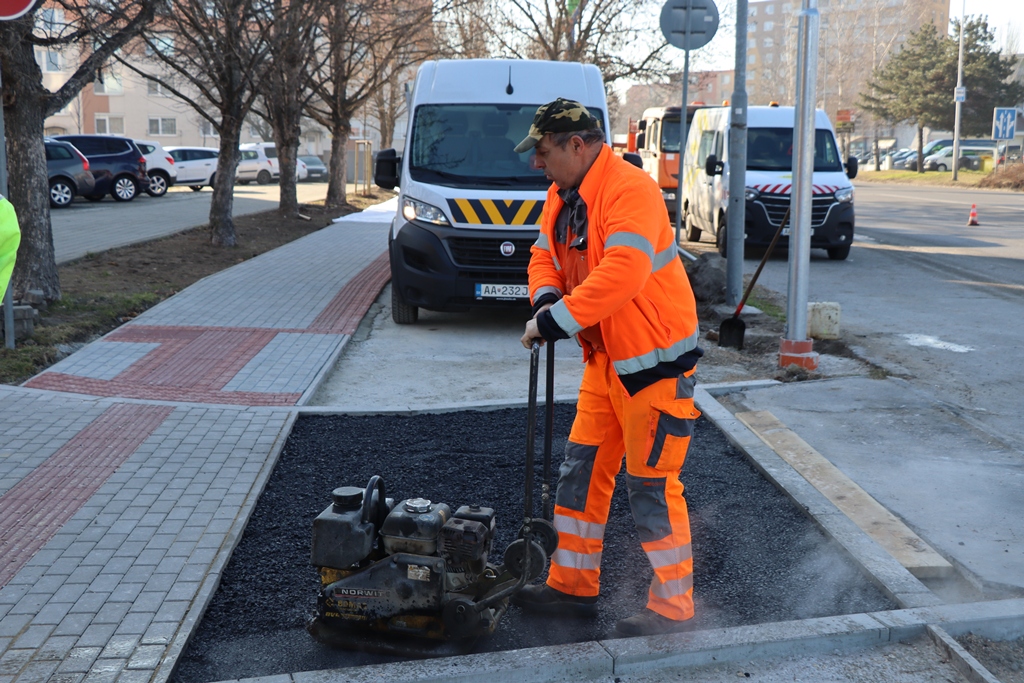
776, 205
485, 252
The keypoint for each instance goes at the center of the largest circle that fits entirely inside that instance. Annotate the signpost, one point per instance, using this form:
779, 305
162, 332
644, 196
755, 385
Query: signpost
687, 25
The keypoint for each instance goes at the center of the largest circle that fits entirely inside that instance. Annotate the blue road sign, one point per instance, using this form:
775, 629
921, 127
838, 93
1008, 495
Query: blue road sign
1004, 123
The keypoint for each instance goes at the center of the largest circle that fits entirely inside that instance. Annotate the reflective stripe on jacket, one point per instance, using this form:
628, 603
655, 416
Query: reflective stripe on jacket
637, 288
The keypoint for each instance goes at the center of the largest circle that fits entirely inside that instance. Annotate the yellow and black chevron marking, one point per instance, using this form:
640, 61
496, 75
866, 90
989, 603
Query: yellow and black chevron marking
496, 211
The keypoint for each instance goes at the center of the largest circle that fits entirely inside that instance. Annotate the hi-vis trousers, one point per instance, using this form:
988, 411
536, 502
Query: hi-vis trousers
652, 429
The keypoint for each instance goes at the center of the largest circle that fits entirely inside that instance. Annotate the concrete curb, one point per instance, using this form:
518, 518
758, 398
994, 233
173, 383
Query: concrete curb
893, 578
324, 371
582, 661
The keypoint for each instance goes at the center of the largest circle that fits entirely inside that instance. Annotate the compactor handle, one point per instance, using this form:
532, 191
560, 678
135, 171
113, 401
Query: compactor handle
374, 513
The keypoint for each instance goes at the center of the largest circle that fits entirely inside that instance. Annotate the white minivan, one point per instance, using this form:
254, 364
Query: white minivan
769, 180
469, 206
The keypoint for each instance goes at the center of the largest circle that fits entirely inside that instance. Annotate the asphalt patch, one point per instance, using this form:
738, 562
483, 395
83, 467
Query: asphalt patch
757, 557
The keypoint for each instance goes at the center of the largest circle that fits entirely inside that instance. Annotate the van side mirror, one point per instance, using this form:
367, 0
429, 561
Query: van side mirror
634, 158
641, 140
713, 166
385, 169
851, 168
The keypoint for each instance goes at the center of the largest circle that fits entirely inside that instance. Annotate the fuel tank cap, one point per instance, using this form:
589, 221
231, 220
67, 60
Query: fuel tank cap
417, 505
347, 497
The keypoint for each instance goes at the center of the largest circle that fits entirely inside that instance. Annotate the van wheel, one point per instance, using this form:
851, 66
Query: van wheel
721, 241
693, 233
941, 168
401, 312
263, 178
839, 253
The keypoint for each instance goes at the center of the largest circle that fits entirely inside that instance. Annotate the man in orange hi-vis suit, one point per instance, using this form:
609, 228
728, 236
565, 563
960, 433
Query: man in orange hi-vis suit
605, 269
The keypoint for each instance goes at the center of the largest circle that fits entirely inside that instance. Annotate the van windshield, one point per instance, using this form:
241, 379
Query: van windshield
670, 135
771, 149
471, 145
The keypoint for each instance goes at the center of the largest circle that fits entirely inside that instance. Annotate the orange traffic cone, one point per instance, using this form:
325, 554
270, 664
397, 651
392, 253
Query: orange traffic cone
973, 218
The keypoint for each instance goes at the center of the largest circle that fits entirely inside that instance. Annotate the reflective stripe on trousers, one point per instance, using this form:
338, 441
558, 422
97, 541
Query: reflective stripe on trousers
651, 432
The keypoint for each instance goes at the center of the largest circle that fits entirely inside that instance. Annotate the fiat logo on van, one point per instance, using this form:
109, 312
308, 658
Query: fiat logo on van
507, 248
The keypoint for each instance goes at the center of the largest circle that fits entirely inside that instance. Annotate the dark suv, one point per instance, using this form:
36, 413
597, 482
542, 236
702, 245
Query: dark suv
117, 164
69, 174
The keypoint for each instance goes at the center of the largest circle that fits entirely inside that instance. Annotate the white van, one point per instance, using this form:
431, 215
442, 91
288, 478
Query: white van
469, 207
769, 179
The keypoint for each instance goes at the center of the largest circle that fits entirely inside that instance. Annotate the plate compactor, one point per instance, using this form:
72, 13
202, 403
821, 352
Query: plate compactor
416, 569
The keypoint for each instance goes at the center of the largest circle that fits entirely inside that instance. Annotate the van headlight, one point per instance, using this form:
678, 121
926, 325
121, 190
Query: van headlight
844, 195
414, 210
750, 194
668, 196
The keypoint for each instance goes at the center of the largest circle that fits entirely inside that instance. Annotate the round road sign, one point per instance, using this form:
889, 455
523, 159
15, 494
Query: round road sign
701, 19
12, 9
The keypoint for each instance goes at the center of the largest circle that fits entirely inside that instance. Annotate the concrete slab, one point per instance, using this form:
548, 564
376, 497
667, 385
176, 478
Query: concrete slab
955, 485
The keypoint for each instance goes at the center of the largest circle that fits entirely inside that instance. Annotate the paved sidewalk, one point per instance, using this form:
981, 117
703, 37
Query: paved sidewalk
129, 469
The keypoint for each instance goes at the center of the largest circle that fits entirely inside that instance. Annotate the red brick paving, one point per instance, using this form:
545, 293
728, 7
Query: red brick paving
194, 363
34, 509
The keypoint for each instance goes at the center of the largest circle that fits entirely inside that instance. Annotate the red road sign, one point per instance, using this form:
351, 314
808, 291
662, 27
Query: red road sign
12, 9
844, 115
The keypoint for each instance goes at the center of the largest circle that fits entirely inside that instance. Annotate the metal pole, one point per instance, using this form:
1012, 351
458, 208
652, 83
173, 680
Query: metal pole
8, 294
803, 172
959, 104
684, 128
736, 214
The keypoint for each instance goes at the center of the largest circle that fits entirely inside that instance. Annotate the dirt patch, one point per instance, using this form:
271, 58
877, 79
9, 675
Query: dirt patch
104, 290
1007, 178
1003, 658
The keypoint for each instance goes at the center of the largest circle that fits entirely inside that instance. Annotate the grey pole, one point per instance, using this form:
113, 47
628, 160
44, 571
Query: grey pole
803, 172
8, 295
684, 127
736, 214
959, 104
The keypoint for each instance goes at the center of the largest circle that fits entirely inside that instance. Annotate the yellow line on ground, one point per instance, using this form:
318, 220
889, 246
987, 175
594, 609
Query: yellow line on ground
877, 522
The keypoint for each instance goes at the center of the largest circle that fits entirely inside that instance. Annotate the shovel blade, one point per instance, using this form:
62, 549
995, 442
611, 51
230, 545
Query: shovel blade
730, 332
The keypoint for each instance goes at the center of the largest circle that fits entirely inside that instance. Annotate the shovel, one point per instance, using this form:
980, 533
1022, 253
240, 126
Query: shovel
730, 332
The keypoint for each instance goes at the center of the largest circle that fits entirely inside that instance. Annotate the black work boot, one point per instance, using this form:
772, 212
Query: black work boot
545, 599
649, 623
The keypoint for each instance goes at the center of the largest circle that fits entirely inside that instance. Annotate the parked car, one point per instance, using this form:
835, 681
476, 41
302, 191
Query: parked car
253, 164
69, 173
197, 166
315, 167
159, 166
301, 170
116, 163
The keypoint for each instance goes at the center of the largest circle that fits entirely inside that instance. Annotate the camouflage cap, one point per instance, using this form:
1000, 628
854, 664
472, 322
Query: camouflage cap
560, 116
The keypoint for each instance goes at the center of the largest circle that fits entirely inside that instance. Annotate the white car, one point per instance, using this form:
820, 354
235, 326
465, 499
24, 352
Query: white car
160, 167
197, 166
258, 161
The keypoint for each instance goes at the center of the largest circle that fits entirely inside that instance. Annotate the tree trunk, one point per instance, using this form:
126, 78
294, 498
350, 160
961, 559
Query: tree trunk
222, 204
287, 142
28, 187
338, 184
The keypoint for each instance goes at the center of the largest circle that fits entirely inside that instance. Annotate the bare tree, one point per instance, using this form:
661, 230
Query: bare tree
212, 55
83, 30
361, 44
621, 37
286, 91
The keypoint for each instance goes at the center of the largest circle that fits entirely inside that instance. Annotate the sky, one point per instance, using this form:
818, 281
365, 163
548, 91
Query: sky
718, 54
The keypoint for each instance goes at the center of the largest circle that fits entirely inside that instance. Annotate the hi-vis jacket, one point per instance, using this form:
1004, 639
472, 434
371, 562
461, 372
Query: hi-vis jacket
10, 237
637, 289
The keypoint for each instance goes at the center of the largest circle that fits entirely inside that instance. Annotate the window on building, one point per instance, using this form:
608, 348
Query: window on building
109, 125
156, 89
751, 43
786, 7
768, 42
769, 25
751, 59
726, 79
49, 61
751, 26
752, 11
206, 129
162, 43
769, 9
163, 126
769, 58
52, 20
108, 82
